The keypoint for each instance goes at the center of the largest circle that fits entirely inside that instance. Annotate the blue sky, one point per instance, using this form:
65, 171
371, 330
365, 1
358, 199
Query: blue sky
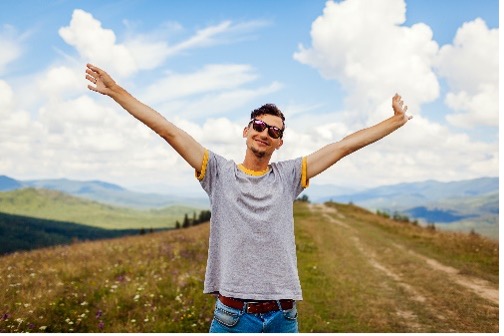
332, 67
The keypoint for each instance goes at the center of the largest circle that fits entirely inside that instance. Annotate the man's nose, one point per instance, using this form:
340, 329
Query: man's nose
264, 133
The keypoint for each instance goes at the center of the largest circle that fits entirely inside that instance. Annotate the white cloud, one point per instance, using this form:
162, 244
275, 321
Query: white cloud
97, 44
11, 47
421, 150
471, 68
61, 80
73, 133
362, 45
77, 134
211, 78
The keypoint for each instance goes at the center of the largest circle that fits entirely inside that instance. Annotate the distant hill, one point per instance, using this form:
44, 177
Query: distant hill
7, 183
107, 193
59, 206
407, 195
20, 233
460, 205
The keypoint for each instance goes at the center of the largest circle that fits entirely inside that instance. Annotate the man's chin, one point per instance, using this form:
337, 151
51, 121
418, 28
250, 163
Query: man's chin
258, 153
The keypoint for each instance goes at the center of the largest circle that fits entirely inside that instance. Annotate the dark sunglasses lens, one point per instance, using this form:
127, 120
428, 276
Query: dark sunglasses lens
258, 125
274, 132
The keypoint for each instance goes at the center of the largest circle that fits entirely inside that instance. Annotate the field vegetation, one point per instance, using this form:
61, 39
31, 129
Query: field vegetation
360, 272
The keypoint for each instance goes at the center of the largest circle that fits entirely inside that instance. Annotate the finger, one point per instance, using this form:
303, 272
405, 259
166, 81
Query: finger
92, 88
91, 79
95, 69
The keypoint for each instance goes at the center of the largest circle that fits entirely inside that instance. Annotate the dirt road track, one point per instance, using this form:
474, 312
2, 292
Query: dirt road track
417, 291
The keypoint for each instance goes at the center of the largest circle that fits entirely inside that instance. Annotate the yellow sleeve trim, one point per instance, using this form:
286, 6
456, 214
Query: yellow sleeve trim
305, 182
200, 175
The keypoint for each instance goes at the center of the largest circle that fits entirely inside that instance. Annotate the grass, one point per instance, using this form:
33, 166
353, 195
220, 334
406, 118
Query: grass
154, 283
362, 273
150, 284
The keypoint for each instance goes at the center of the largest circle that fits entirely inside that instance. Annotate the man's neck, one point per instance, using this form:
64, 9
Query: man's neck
252, 162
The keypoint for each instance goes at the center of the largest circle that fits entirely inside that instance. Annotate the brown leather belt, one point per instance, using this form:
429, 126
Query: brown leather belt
256, 307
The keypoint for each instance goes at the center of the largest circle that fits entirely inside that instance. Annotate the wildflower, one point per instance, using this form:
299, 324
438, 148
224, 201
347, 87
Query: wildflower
136, 297
101, 325
99, 314
133, 321
5, 316
43, 328
84, 303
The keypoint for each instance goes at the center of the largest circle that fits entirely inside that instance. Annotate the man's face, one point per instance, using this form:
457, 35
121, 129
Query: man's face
261, 143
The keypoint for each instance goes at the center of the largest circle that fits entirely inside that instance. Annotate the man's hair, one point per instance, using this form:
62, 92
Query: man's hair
271, 109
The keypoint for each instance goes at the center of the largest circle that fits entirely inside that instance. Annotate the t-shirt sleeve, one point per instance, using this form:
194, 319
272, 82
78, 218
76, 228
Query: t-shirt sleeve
295, 174
209, 174
200, 175
305, 181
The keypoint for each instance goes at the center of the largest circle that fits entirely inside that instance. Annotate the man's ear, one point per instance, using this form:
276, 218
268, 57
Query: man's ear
279, 144
245, 132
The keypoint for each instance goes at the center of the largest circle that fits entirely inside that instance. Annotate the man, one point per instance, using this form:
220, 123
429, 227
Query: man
252, 265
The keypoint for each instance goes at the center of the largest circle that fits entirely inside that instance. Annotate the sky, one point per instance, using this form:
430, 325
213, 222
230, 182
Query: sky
332, 67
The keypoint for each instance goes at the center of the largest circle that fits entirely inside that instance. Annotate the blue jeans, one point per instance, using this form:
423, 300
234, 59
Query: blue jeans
227, 319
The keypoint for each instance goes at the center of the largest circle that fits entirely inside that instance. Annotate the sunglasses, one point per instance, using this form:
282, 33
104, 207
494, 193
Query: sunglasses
259, 126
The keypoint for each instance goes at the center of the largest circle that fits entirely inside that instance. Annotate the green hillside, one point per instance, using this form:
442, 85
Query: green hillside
359, 272
20, 233
55, 205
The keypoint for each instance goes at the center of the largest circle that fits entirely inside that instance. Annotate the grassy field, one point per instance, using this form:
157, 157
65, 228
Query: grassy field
55, 205
360, 273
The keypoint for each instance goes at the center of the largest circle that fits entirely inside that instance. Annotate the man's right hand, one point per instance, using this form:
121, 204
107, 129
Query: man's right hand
103, 83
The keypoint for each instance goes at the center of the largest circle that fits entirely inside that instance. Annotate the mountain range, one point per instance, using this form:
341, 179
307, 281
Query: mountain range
468, 205
104, 192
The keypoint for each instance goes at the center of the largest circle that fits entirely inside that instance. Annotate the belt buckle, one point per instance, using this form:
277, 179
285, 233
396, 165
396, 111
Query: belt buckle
249, 305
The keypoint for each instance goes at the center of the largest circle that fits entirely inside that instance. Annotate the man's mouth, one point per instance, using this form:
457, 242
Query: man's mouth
261, 142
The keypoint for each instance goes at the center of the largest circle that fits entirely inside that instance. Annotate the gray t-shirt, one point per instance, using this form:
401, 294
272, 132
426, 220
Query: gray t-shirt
252, 250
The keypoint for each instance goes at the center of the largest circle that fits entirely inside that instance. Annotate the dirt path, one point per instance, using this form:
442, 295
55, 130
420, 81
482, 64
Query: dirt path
410, 271
478, 286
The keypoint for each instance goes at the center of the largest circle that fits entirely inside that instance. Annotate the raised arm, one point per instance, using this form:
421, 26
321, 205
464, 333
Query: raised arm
182, 142
325, 157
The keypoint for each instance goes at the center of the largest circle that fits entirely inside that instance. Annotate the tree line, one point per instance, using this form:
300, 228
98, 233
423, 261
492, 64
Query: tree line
203, 217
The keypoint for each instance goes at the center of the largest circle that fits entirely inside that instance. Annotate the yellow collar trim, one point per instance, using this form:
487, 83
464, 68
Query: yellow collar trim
253, 172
